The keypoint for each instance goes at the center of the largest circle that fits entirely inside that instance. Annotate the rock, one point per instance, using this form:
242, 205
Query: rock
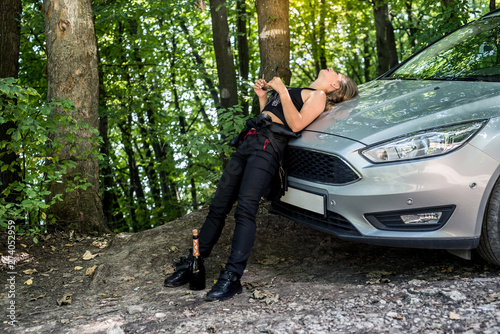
133, 309
454, 295
115, 329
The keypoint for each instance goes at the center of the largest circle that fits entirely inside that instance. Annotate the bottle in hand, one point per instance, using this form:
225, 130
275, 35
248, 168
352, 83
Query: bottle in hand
197, 274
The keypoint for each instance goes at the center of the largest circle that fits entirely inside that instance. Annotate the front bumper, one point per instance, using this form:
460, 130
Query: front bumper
461, 180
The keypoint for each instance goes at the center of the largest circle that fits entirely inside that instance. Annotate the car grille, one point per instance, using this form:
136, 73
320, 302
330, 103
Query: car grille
332, 223
319, 167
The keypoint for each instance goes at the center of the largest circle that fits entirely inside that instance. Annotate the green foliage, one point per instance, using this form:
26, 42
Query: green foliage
167, 138
38, 136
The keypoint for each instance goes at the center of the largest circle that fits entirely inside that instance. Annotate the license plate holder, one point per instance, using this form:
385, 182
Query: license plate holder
305, 200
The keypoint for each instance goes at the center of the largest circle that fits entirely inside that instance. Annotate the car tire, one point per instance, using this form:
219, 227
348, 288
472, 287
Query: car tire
489, 243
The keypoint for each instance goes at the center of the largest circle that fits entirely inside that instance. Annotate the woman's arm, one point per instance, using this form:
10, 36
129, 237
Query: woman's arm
297, 120
260, 89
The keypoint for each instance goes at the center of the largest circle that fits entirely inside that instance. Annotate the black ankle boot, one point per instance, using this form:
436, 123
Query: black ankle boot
227, 286
181, 274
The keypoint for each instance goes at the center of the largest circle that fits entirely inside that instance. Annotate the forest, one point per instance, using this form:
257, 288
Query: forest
115, 115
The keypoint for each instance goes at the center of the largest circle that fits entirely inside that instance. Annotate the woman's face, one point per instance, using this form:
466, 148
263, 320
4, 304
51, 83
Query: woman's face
330, 76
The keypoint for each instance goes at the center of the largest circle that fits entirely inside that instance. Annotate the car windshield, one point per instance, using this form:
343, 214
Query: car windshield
470, 53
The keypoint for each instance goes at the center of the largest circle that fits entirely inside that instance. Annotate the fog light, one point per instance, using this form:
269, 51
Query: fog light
423, 219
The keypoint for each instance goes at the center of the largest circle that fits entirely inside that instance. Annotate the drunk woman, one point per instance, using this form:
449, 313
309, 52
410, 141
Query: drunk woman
250, 172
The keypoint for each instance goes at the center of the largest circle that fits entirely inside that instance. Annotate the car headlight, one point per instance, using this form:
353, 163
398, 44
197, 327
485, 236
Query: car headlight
423, 144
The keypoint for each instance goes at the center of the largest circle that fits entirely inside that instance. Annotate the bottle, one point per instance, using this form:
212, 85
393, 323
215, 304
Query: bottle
197, 274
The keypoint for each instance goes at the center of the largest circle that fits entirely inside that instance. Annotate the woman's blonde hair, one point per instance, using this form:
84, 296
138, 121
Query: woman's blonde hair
348, 90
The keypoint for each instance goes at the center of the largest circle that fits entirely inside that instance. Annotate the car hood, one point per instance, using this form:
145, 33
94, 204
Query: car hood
386, 109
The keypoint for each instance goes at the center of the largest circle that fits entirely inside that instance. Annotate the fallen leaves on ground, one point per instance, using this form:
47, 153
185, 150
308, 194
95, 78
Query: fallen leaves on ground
173, 249
65, 300
30, 271
37, 297
88, 256
90, 271
265, 296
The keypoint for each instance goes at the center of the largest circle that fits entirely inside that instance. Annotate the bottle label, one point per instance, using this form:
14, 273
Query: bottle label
196, 248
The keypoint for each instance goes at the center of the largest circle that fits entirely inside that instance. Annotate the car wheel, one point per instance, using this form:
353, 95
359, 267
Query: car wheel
489, 243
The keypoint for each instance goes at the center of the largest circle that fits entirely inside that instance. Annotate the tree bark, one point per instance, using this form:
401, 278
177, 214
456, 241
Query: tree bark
223, 54
10, 36
243, 51
412, 26
72, 74
492, 5
322, 36
366, 58
386, 43
274, 39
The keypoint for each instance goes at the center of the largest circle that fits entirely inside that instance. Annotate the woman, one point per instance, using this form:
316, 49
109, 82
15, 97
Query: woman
248, 175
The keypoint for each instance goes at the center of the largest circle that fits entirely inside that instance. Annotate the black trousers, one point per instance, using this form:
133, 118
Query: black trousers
246, 179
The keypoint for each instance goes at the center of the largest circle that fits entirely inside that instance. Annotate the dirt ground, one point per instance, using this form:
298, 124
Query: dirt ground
296, 276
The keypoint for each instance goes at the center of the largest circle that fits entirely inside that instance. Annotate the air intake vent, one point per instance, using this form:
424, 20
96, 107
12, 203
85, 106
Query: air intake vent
319, 167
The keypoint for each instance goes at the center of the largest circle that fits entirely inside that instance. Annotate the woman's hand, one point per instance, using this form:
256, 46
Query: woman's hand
260, 88
277, 84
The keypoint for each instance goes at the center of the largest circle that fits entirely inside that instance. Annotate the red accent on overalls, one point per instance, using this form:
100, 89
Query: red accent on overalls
255, 132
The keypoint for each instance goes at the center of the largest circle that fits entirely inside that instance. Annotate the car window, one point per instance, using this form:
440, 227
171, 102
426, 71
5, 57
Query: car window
470, 53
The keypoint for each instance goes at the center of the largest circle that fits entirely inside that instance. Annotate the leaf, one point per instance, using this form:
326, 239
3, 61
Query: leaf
30, 271
38, 297
65, 300
29, 282
90, 271
88, 256
78, 268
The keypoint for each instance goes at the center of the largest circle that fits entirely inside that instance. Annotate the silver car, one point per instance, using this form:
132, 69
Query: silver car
414, 161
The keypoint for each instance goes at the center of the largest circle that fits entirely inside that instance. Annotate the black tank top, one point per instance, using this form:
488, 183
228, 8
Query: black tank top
274, 104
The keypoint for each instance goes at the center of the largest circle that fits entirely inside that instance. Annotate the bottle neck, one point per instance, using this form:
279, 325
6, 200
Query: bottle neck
196, 247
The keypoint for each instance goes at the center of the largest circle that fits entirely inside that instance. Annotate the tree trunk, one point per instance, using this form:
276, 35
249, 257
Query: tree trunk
366, 57
274, 39
322, 36
201, 66
492, 5
223, 54
412, 27
243, 52
10, 35
72, 74
183, 128
386, 43
149, 164
108, 186
135, 185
